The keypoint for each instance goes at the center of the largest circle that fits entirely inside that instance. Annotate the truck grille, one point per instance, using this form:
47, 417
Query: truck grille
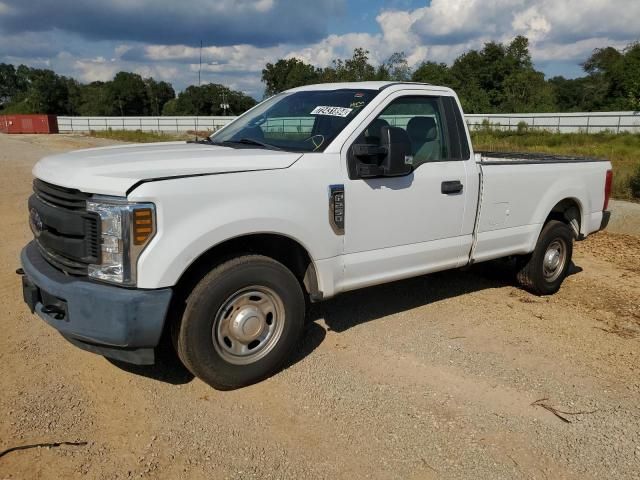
66, 234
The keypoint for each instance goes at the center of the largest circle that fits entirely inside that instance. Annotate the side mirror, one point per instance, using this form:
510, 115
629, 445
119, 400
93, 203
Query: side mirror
392, 158
398, 160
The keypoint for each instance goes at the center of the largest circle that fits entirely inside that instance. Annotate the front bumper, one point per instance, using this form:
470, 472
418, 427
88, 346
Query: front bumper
120, 323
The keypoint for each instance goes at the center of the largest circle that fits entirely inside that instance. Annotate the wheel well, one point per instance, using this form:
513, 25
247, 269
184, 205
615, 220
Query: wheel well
279, 247
567, 211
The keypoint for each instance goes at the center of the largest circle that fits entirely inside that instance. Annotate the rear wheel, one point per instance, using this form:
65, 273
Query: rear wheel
543, 271
241, 322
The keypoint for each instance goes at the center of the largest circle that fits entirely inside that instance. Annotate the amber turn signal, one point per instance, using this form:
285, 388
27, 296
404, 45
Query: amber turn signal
142, 225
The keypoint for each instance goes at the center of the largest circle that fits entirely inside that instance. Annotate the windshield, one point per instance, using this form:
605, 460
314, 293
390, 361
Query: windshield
304, 121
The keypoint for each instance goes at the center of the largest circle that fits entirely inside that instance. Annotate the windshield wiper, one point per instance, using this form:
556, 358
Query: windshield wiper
251, 141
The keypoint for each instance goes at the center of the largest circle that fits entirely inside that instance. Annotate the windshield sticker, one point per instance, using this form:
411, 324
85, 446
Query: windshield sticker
333, 111
357, 104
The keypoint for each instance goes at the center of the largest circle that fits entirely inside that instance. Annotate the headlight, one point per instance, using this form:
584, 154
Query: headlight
126, 228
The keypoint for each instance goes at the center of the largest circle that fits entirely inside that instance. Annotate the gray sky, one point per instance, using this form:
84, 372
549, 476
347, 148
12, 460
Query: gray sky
92, 40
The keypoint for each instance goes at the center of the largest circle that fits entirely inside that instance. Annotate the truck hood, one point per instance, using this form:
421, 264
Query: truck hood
114, 170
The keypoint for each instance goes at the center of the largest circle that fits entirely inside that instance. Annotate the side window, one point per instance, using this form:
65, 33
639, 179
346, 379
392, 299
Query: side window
422, 119
459, 147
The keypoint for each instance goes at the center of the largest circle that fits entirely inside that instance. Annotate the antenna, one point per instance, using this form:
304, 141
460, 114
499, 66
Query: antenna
198, 103
200, 64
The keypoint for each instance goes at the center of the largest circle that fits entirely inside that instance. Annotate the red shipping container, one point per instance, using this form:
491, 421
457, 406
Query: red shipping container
28, 124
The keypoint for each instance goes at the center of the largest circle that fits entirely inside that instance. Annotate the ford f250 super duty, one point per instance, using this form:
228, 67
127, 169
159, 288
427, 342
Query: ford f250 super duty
218, 244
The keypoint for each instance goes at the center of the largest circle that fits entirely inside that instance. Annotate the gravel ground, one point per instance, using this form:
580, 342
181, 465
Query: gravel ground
442, 376
625, 217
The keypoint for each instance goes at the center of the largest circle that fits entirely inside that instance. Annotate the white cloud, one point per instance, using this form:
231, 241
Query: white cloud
531, 23
95, 69
575, 51
559, 31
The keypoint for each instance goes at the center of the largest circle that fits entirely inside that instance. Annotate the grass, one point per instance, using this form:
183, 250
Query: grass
138, 136
622, 150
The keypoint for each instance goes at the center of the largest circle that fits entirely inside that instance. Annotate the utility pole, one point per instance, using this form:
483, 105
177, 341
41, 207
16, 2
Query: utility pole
224, 105
200, 65
197, 99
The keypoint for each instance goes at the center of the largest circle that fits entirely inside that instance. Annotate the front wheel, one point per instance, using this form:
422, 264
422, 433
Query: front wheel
543, 271
241, 322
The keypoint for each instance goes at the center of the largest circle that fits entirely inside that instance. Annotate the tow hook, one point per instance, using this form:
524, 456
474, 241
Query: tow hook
54, 311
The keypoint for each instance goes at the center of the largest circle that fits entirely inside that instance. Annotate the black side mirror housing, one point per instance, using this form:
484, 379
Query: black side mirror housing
392, 158
399, 159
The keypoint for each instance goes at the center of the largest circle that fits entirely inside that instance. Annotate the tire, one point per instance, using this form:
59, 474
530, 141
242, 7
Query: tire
543, 271
241, 322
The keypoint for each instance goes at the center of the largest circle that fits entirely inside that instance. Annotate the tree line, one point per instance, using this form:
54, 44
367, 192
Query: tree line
34, 90
499, 78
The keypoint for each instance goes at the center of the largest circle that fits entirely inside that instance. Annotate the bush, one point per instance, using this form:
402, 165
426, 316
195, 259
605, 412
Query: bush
634, 183
523, 127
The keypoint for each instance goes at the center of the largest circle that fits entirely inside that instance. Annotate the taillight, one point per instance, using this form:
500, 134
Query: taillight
607, 189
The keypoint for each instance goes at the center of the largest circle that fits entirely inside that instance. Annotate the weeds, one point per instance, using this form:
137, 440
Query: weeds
138, 136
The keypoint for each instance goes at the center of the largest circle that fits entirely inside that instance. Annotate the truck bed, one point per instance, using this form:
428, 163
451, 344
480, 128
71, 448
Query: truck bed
519, 190
511, 158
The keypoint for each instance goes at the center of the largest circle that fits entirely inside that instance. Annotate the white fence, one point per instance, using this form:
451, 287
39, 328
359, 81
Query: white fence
591, 122
145, 124
558, 122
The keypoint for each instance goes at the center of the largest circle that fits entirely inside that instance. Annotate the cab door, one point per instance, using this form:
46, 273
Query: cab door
398, 227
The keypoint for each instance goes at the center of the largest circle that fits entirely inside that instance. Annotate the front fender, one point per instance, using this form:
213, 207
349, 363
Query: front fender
196, 214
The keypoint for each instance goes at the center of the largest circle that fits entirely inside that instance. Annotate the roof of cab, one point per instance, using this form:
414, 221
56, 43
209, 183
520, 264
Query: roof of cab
343, 85
375, 85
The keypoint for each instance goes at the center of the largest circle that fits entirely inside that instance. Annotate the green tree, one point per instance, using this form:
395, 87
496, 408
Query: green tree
501, 78
613, 79
354, 69
95, 100
127, 94
569, 94
11, 84
207, 100
38, 91
396, 67
526, 91
158, 94
630, 85
74, 96
170, 108
357, 68
435, 74
288, 73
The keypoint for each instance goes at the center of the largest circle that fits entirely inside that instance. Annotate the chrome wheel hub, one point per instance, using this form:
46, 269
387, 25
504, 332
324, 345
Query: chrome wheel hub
248, 325
554, 260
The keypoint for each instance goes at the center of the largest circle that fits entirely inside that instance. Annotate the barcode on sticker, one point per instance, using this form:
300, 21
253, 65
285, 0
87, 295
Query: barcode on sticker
333, 111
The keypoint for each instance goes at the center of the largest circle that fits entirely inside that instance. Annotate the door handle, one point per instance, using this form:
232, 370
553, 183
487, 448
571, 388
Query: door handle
452, 186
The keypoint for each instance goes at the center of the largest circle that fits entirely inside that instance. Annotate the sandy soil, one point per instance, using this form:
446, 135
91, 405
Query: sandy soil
435, 377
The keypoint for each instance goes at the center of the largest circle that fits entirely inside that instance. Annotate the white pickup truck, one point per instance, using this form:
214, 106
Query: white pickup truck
219, 244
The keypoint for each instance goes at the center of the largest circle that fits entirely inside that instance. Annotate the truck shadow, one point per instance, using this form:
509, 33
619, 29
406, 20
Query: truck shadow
167, 369
360, 306
355, 308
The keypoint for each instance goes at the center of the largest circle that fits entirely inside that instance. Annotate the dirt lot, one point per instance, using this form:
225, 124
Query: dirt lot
435, 377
